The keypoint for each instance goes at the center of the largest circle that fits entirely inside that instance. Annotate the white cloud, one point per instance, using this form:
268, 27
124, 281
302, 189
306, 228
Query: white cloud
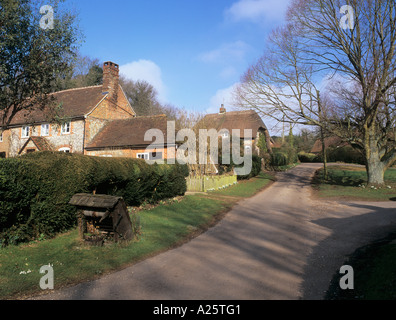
257, 10
226, 53
222, 96
148, 71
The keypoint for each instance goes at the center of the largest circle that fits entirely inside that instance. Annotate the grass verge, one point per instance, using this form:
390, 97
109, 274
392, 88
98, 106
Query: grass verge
374, 273
163, 227
349, 183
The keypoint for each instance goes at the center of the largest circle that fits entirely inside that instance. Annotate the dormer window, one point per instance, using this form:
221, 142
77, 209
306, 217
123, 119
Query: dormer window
224, 134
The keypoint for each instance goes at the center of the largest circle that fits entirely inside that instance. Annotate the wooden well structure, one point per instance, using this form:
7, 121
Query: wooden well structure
107, 214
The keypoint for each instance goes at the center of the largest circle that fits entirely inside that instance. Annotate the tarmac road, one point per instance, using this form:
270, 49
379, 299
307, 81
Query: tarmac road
279, 245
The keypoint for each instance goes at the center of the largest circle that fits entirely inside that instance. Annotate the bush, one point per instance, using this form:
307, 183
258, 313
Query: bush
283, 156
345, 154
35, 189
308, 157
279, 159
256, 168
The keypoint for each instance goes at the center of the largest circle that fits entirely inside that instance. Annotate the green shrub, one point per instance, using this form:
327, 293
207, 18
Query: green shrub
256, 168
307, 157
345, 154
35, 189
283, 156
279, 158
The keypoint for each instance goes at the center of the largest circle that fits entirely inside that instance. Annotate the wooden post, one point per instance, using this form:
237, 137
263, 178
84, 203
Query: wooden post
82, 224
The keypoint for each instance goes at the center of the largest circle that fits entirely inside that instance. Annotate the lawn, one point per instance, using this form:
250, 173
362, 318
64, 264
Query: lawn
349, 183
163, 227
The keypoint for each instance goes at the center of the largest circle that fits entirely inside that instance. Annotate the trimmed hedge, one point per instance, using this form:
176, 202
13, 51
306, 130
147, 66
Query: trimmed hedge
345, 154
35, 189
308, 157
283, 156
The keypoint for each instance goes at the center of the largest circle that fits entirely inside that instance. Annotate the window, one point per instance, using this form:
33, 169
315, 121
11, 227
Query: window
25, 132
45, 130
144, 156
1, 136
156, 156
65, 150
66, 128
224, 133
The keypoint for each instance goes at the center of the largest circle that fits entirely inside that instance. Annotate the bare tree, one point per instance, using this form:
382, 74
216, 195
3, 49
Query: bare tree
317, 43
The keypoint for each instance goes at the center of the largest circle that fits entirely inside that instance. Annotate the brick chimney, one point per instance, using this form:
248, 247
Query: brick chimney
223, 109
111, 75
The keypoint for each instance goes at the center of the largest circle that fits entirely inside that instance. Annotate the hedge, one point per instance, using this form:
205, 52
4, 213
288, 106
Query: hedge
35, 189
283, 156
345, 154
308, 157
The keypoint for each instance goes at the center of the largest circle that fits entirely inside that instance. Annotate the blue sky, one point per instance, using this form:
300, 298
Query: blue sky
193, 52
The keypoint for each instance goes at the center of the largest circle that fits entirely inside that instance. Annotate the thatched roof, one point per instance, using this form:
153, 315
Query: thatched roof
247, 119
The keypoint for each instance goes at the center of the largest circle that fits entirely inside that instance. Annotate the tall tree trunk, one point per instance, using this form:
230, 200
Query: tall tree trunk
375, 167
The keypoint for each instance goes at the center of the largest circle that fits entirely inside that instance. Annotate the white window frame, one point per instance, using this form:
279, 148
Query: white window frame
45, 130
25, 132
144, 156
66, 128
65, 149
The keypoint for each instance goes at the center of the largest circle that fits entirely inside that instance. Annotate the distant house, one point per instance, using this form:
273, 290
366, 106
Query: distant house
225, 122
97, 120
335, 142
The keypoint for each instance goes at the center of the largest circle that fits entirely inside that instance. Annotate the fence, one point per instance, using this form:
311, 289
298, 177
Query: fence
210, 183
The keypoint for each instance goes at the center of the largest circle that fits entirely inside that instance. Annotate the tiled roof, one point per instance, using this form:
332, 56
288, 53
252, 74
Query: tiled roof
247, 119
69, 103
41, 143
128, 132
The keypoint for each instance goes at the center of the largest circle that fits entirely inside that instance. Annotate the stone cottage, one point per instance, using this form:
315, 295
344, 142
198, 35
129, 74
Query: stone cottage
96, 120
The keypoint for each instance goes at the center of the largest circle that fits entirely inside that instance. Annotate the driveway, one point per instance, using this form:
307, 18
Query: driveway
280, 244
